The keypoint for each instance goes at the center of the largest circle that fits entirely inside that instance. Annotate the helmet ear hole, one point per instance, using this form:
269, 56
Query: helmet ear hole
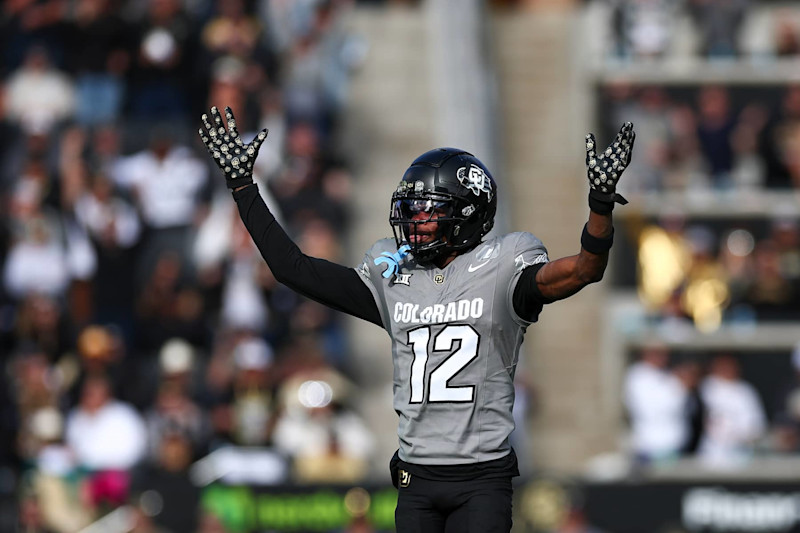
456, 230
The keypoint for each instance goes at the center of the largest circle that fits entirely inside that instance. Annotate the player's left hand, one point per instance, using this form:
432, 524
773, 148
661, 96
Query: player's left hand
605, 170
229, 152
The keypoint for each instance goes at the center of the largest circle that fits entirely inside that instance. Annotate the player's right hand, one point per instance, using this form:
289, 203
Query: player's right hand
226, 147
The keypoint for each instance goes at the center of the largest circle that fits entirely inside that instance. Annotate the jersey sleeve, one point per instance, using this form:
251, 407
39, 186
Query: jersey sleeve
370, 275
529, 255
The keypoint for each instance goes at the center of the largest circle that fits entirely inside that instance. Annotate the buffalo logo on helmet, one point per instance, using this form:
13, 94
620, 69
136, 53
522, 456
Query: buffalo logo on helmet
475, 179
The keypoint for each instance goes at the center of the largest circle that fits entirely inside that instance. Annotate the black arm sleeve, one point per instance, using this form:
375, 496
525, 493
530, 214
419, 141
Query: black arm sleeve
336, 286
528, 301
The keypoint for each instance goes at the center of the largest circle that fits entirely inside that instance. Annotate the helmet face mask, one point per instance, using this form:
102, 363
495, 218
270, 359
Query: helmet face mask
445, 203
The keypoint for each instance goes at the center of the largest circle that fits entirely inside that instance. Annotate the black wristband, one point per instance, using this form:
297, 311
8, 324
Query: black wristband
603, 203
235, 183
596, 245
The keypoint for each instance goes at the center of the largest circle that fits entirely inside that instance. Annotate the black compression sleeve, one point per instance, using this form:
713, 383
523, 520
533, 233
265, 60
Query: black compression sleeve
336, 286
528, 301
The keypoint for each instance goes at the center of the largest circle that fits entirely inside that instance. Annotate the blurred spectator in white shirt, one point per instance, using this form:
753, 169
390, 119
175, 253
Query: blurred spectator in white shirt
655, 401
37, 263
646, 27
108, 437
166, 179
736, 418
168, 182
38, 96
328, 441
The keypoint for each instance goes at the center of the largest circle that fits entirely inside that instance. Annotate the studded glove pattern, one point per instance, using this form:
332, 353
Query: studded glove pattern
226, 147
604, 170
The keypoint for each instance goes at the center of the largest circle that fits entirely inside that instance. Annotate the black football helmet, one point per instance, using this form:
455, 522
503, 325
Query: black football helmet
454, 185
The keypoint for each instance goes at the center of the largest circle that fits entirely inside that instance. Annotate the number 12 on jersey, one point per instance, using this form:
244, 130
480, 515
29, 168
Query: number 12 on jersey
444, 341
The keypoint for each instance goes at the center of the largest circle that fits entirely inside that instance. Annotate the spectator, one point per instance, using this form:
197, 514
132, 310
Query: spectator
232, 31
55, 479
38, 261
719, 23
645, 27
114, 228
771, 295
160, 79
787, 40
780, 140
99, 55
39, 96
174, 409
736, 420
690, 374
786, 410
655, 401
108, 438
736, 259
650, 109
749, 168
41, 322
101, 352
25, 24
785, 233
327, 440
715, 126
243, 409
169, 306
33, 391
162, 489
169, 184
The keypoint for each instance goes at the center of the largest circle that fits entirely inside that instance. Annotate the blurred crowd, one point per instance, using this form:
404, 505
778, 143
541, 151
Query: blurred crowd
728, 248
721, 245
704, 406
653, 30
696, 273
709, 137
139, 327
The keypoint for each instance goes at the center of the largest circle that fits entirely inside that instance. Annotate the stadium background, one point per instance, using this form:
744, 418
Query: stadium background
155, 378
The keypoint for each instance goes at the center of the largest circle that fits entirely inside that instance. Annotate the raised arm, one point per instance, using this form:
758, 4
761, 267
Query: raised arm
334, 285
564, 277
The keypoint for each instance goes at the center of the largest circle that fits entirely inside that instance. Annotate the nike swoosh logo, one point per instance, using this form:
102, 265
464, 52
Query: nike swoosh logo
471, 268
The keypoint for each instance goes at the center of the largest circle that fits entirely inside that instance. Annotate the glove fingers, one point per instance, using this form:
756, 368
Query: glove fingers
257, 142
628, 144
206, 140
217, 120
591, 146
211, 130
234, 132
210, 138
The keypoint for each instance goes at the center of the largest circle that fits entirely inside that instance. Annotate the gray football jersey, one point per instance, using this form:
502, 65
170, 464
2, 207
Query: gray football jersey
455, 343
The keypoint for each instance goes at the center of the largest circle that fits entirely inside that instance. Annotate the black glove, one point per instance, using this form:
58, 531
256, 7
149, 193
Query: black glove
605, 169
229, 152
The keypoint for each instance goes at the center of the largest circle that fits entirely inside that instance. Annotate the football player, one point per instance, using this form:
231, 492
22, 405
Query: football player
456, 306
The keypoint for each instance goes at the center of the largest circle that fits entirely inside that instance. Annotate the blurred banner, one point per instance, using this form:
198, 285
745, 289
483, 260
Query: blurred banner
658, 507
541, 506
309, 509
